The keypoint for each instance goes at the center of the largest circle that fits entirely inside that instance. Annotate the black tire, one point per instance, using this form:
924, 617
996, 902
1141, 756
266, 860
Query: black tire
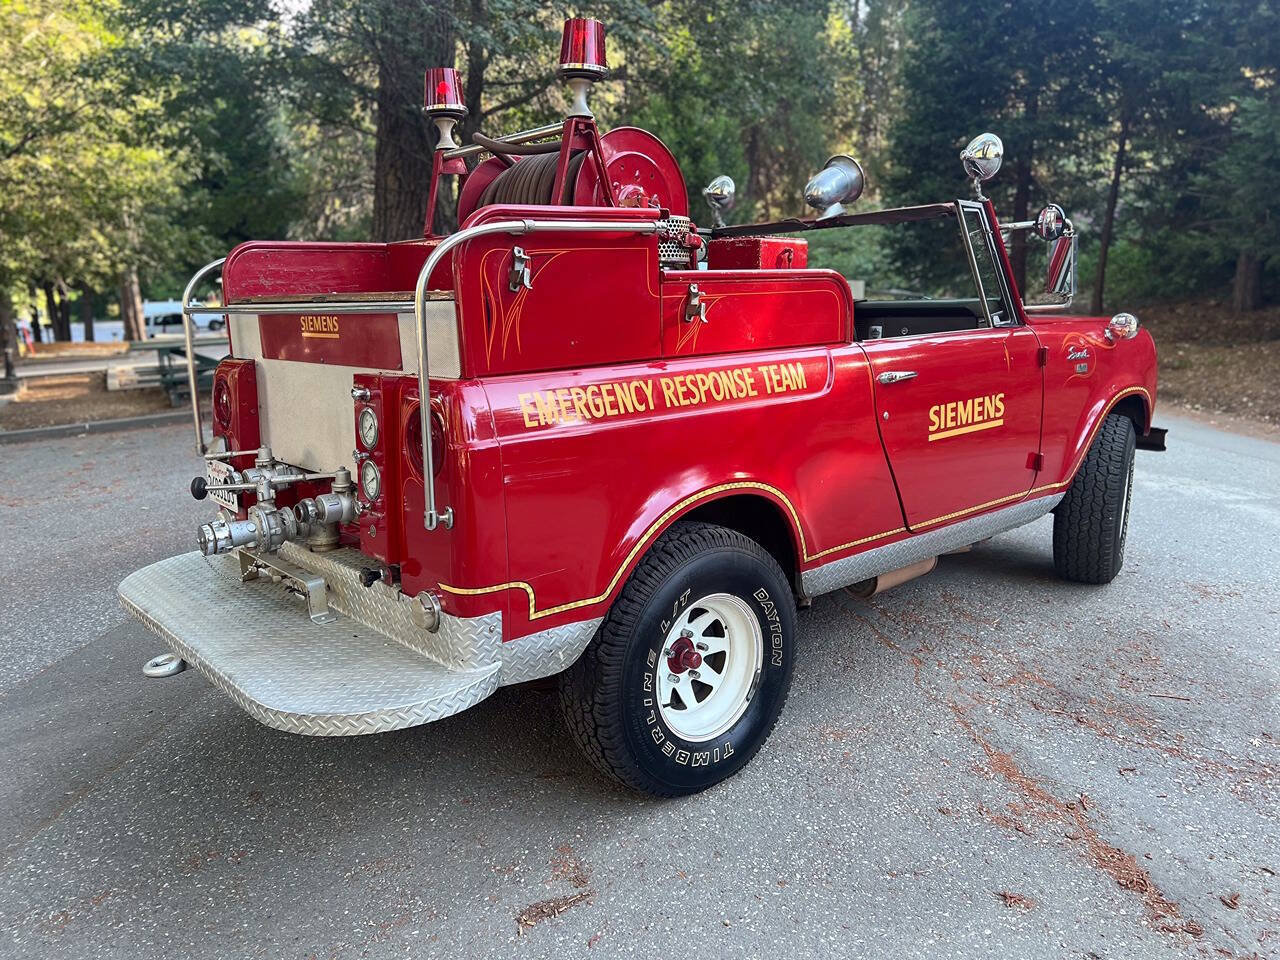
215, 326
609, 697
1091, 522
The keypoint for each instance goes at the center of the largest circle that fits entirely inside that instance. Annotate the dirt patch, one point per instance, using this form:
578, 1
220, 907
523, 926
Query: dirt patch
1216, 361
1120, 865
1019, 900
565, 865
76, 398
535, 913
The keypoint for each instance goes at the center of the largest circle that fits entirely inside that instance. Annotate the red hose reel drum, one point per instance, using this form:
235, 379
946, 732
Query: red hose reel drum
634, 159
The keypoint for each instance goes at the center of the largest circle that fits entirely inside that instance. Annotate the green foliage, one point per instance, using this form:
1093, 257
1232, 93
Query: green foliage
84, 186
152, 134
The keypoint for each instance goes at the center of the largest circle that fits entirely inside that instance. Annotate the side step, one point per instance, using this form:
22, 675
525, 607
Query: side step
254, 641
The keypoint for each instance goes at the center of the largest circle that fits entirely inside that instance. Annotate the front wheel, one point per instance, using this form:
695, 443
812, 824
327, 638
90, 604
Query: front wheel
1092, 521
689, 671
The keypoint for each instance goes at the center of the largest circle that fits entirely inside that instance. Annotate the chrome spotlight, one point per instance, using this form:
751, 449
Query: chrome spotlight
840, 181
1123, 326
982, 159
719, 194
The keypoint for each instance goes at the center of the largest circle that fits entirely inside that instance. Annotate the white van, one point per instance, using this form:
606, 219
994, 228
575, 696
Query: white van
165, 316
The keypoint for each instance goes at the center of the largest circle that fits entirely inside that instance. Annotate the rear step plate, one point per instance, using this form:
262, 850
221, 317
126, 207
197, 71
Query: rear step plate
254, 641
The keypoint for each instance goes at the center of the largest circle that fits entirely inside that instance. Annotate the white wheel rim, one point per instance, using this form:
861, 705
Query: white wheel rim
700, 704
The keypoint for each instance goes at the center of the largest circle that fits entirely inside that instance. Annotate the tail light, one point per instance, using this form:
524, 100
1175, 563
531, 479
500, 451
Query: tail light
235, 403
413, 441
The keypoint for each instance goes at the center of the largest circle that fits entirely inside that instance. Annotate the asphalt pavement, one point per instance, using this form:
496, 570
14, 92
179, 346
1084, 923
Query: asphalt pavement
984, 762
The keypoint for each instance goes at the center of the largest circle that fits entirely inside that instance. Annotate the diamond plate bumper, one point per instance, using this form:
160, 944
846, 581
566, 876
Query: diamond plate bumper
255, 642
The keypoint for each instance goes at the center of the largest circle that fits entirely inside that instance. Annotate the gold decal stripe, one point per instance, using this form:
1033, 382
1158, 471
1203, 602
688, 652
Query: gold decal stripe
536, 614
649, 534
972, 428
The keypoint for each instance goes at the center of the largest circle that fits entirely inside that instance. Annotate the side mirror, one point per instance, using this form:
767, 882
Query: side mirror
1051, 223
1060, 278
840, 181
719, 194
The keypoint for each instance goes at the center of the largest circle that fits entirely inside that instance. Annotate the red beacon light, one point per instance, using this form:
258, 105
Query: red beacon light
442, 101
582, 60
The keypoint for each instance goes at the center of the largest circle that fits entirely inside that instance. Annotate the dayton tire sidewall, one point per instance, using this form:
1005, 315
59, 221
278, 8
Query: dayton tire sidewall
682, 765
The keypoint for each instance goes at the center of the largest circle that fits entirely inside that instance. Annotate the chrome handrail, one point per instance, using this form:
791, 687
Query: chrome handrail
189, 308
431, 517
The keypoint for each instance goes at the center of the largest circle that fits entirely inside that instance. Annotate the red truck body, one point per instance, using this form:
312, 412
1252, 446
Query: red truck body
586, 408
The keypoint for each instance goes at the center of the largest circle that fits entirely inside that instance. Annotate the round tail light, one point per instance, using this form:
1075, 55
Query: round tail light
413, 441
222, 403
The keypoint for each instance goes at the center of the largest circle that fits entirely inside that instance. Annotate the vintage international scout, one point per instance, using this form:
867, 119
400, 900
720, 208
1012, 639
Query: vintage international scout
646, 445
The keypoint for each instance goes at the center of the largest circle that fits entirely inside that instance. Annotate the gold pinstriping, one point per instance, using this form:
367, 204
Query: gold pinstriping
536, 614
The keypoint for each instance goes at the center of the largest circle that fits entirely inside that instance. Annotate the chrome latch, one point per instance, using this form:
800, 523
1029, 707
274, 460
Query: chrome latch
694, 308
519, 276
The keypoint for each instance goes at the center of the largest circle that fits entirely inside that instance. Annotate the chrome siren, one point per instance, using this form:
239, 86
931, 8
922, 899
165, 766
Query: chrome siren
840, 181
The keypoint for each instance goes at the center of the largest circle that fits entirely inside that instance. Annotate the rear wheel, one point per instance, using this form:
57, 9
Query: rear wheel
1091, 522
690, 669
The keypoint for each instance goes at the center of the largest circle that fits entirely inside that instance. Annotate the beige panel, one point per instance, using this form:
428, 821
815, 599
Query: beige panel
306, 413
246, 339
442, 341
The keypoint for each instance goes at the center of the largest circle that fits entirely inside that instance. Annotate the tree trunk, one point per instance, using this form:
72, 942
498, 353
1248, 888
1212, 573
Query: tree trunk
405, 137
1247, 292
86, 313
8, 333
135, 327
1109, 218
757, 188
53, 310
64, 312
36, 333
1022, 200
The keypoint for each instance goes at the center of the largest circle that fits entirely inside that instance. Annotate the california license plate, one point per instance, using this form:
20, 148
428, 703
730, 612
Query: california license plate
216, 471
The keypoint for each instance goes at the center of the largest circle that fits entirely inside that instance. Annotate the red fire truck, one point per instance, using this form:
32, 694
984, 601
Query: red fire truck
645, 445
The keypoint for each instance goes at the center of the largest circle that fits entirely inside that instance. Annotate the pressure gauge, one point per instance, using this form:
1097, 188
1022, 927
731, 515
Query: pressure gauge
370, 480
368, 428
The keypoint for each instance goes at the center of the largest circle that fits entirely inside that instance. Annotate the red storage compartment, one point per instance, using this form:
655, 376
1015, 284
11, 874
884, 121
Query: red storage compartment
757, 253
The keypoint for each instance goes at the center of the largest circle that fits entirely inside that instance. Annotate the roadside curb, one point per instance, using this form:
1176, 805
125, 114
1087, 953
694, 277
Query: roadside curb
94, 426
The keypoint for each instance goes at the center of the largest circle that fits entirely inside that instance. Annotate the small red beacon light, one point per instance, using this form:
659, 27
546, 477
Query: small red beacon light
443, 94
582, 49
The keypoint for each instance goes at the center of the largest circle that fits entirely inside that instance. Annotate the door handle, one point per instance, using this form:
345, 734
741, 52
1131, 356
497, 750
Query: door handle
896, 376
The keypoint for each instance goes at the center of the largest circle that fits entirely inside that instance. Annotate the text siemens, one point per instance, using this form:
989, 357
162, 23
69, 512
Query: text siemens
966, 416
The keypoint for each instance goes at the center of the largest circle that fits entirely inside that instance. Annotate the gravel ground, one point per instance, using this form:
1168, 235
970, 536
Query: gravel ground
984, 762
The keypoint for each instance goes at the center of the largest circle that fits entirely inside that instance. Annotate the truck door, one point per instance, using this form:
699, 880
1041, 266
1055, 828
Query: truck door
959, 409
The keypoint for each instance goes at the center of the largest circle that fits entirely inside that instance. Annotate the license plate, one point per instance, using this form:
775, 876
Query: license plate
216, 471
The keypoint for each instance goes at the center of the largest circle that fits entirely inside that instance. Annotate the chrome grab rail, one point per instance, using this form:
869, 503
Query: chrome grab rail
431, 516
187, 328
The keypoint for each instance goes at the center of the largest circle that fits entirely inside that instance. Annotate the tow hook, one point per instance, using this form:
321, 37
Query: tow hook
165, 665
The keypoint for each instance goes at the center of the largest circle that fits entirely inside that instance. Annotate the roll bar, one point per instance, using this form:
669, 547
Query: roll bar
187, 329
